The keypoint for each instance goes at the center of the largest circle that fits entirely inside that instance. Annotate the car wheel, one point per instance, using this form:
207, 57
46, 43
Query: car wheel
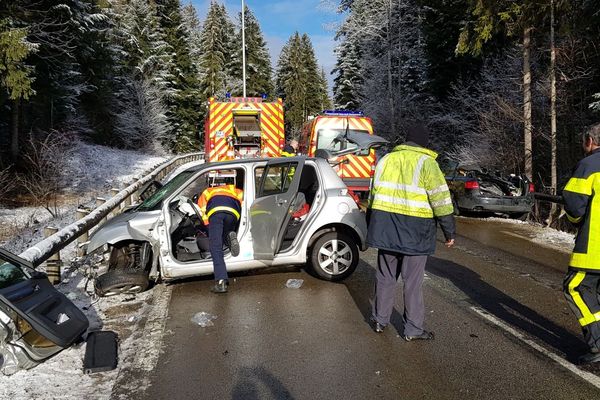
334, 256
117, 282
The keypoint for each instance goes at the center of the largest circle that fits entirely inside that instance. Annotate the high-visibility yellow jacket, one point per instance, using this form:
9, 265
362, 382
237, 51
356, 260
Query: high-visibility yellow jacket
582, 205
409, 181
408, 194
226, 198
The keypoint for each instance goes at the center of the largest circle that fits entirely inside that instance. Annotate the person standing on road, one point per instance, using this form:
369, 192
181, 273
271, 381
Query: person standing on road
582, 205
221, 207
408, 195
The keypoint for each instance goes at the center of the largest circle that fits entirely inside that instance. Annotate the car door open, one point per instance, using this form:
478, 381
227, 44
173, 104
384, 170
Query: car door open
270, 212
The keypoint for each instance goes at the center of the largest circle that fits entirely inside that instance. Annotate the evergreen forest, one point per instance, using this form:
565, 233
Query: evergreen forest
502, 84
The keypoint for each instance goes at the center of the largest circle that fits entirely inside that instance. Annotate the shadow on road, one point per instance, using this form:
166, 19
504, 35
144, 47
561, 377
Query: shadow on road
506, 308
252, 380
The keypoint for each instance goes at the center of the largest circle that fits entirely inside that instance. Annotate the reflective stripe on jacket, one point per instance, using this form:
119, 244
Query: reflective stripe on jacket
408, 195
408, 181
220, 198
583, 208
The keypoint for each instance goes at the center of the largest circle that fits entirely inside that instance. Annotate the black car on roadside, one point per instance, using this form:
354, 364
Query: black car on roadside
476, 191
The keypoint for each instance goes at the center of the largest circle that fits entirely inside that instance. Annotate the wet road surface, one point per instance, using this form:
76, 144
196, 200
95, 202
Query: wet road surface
503, 331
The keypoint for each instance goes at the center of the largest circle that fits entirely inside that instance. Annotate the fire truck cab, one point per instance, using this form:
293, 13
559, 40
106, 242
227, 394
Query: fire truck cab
243, 128
322, 133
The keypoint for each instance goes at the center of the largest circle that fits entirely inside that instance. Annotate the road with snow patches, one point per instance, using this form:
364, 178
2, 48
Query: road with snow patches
503, 331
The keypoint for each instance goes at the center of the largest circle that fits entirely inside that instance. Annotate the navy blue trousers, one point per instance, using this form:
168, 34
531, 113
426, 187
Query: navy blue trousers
219, 225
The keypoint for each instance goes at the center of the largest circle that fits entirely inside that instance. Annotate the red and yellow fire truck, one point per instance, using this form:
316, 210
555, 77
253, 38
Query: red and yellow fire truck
319, 133
243, 128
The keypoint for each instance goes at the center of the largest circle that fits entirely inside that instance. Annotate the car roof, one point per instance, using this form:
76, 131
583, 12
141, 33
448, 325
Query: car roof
198, 167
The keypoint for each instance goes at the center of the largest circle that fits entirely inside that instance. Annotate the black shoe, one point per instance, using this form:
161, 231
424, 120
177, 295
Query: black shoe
377, 327
426, 335
589, 358
234, 245
220, 286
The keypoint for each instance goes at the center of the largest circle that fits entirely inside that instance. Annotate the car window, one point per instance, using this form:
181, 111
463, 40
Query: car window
258, 172
326, 136
153, 202
277, 179
11, 274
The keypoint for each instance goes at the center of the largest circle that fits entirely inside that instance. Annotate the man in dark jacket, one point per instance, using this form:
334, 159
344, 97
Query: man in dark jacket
408, 195
582, 204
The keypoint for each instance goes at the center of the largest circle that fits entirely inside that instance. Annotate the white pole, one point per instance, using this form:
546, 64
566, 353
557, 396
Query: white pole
243, 52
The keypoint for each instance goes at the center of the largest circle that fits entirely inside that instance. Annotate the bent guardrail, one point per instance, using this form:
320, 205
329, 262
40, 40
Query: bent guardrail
57, 241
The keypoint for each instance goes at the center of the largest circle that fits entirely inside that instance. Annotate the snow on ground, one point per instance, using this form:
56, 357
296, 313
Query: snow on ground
94, 170
540, 234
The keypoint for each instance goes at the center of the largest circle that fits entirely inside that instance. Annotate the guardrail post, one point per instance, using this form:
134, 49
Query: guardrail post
53, 263
135, 196
114, 192
99, 202
80, 214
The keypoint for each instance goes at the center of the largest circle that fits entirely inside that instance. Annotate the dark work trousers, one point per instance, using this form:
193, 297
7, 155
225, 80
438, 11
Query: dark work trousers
219, 225
582, 289
390, 266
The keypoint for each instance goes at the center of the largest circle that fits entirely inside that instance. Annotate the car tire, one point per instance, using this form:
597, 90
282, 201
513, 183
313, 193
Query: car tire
322, 261
117, 282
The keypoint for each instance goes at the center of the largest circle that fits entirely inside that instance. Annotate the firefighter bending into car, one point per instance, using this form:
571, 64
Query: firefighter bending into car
582, 205
221, 207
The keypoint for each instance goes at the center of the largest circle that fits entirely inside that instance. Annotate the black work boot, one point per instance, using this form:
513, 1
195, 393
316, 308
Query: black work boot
234, 245
377, 327
220, 286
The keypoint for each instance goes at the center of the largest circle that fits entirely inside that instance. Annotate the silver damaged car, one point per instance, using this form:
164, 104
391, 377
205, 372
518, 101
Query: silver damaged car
163, 236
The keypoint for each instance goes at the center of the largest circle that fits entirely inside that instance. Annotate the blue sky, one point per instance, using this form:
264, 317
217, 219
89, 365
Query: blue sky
279, 19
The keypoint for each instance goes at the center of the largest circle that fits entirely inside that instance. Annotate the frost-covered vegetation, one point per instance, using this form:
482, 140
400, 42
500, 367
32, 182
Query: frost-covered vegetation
461, 66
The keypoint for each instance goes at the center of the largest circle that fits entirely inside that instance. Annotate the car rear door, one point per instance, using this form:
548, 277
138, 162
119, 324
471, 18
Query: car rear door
34, 299
270, 212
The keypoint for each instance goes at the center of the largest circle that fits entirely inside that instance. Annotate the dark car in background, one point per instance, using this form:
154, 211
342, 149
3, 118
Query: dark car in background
478, 192
36, 320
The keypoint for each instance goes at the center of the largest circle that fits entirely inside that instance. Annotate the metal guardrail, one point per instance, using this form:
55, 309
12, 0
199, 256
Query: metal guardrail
48, 249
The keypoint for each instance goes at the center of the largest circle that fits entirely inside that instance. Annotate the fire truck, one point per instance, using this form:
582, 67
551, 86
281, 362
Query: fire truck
243, 127
323, 132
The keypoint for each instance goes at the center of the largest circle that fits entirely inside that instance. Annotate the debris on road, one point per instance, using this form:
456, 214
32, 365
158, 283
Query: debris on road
294, 283
204, 319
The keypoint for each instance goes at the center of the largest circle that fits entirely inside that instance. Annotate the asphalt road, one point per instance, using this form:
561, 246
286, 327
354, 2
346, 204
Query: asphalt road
503, 331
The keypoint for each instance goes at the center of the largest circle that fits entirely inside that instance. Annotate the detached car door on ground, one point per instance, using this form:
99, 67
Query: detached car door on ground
36, 320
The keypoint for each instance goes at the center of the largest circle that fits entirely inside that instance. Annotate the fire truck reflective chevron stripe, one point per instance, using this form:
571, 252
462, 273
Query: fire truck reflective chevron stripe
227, 119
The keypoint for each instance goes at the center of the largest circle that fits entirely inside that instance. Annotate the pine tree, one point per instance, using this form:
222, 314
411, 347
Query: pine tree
300, 82
347, 84
258, 60
215, 49
144, 73
15, 75
184, 105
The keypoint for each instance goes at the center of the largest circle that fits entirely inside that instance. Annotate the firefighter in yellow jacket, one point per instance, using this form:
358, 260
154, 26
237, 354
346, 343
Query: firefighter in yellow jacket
221, 207
582, 205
